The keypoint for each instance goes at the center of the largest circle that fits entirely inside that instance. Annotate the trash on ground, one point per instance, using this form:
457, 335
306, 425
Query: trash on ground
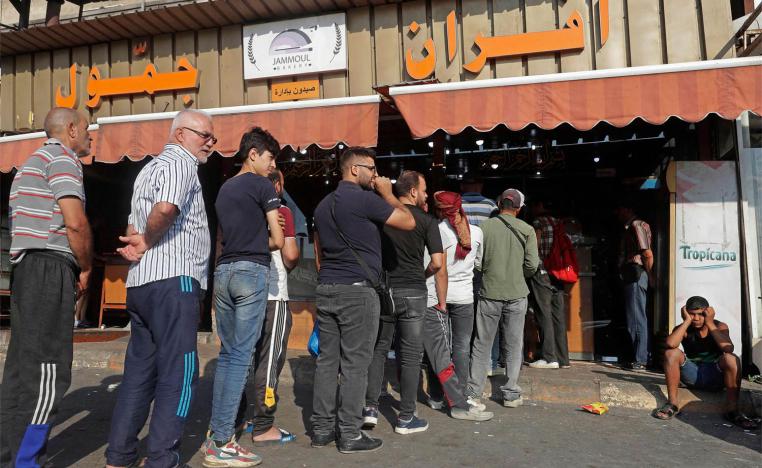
595, 408
727, 425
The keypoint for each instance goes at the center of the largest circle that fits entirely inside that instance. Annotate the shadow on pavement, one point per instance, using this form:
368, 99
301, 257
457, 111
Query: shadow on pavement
715, 425
302, 369
89, 433
701, 414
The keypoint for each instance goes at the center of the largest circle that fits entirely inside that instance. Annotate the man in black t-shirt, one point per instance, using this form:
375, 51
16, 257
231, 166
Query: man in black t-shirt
403, 263
706, 362
247, 207
347, 305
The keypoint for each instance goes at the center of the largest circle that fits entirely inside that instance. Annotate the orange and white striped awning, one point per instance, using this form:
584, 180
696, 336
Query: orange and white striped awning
325, 123
689, 91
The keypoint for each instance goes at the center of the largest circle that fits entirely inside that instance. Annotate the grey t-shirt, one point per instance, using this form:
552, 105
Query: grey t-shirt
51, 173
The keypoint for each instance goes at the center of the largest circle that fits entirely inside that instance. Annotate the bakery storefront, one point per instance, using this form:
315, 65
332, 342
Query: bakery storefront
575, 100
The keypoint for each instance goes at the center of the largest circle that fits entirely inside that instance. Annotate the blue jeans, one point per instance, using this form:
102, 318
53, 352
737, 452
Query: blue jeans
240, 301
635, 313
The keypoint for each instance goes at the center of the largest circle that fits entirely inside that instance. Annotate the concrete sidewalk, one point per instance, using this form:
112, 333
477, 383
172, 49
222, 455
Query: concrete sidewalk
585, 382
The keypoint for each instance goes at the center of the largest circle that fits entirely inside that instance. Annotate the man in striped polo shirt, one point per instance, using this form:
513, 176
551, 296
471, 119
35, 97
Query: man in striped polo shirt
478, 208
168, 242
51, 254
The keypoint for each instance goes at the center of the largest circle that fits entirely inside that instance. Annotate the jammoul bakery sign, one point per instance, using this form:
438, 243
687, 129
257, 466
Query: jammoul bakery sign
294, 47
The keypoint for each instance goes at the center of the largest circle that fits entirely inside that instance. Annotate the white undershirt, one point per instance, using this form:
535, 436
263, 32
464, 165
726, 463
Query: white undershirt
460, 273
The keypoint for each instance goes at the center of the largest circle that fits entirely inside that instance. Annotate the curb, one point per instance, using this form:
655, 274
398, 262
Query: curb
626, 390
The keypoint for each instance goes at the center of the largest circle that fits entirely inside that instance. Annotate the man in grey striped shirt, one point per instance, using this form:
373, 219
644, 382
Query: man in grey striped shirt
51, 253
168, 242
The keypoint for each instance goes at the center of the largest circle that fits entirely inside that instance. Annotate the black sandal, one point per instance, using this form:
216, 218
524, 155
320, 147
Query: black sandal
666, 412
741, 420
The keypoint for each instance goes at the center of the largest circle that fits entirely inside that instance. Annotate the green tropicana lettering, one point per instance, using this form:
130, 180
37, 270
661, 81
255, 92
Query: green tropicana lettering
707, 254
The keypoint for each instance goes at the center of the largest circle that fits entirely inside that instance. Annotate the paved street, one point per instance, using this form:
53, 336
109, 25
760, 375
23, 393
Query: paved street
538, 434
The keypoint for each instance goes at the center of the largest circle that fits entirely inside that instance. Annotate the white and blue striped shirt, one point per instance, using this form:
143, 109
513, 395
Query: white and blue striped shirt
184, 250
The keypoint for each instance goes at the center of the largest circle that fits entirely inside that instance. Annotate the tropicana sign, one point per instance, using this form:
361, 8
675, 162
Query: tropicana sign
570, 37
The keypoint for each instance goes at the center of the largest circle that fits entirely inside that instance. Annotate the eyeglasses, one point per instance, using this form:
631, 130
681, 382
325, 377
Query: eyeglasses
204, 135
370, 168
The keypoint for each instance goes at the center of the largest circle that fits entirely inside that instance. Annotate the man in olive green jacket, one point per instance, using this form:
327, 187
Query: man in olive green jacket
510, 256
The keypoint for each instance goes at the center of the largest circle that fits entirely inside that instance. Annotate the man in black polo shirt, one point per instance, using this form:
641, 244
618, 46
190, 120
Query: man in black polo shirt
403, 262
347, 305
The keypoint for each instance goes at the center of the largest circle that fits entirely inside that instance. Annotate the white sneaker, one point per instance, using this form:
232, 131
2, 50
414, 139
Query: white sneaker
496, 371
543, 364
513, 403
471, 414
435, 404
476, 404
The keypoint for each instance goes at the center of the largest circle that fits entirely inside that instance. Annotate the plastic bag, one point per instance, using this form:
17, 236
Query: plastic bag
313, 344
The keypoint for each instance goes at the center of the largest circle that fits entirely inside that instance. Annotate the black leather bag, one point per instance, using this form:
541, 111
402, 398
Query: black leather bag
379, 285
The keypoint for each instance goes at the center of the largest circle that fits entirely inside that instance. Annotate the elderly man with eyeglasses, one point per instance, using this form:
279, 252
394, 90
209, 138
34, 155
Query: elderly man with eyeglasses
168, 243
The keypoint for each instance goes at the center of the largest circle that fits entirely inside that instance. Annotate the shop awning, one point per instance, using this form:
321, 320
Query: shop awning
15, 149
325, 123
689, 91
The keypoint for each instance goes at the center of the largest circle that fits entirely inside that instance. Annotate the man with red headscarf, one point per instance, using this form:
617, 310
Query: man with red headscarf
462, 244
448, 353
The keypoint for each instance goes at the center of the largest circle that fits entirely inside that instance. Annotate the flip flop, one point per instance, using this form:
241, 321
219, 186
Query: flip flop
285, 437
666, 412
740, 420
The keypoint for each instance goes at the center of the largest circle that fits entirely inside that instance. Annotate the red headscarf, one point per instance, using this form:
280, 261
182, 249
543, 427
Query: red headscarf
449, 206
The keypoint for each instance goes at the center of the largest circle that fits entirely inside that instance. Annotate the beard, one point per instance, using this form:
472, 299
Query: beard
366, 184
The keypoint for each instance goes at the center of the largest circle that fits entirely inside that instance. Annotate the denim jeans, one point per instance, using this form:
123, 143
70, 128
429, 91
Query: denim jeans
240, 301
509, 317
550, 314
407, 323
347, 318
635, 297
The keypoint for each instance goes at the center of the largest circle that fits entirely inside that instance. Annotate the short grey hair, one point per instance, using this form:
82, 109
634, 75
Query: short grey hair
182, 118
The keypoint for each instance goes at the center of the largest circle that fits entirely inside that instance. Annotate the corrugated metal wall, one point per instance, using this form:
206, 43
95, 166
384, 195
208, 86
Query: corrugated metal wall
642, 32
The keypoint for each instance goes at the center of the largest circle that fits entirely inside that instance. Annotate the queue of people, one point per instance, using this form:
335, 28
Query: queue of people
396, 268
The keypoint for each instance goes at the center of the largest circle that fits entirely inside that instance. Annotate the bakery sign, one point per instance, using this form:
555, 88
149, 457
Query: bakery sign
284, 48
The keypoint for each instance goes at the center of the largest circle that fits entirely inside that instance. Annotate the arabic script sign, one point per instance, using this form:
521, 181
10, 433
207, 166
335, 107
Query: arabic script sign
570, 37
293, 47
307, 89
150, 81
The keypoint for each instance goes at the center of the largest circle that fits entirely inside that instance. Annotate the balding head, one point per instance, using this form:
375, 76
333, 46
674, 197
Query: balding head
192, 129
58, 120
70, 128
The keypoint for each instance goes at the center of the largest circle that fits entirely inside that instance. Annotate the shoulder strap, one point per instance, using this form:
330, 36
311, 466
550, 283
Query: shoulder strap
515, 232
357, 256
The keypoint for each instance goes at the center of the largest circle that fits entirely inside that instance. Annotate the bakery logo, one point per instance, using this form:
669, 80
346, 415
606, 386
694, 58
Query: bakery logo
308, 45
